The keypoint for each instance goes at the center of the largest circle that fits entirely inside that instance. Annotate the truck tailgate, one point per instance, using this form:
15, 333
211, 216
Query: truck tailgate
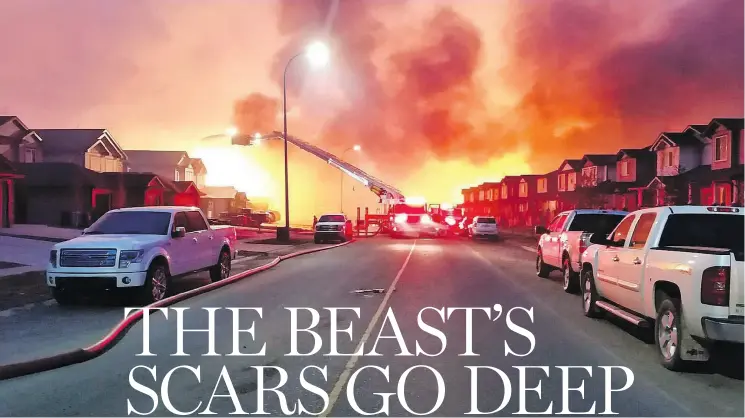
737, 286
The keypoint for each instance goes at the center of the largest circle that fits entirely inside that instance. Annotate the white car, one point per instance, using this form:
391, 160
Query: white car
484, 227
140, 250
331, 227
676, 268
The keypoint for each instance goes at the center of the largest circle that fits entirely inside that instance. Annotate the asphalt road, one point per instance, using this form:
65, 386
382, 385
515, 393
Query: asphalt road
424, 273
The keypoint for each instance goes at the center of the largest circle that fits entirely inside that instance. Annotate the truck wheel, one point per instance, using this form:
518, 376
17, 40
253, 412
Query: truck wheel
156, 284
667, 330
589, 295
570, 277
221, 270
541, 269
63, 298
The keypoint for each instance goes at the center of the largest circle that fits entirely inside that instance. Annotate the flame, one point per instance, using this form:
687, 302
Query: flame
232, 166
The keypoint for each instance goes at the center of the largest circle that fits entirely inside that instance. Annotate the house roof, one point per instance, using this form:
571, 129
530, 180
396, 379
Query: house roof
25, 131
220, 192
6, 118
699, 129
733, 124
680, 139
74, 140
156, 158
510, 179
184, 186
58, 175
600, 159
198, 165
638, 153
132, 180
575, 164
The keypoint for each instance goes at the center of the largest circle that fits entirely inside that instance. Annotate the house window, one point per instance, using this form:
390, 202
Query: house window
562, 182
571, 181
188, 174
30, 155
589, 176
504, 192
542, 185
523, 189
670, 158
720, 148
523, 207
176, 176
624, 168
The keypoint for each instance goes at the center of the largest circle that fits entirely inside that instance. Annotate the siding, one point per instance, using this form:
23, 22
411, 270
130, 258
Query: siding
631, 176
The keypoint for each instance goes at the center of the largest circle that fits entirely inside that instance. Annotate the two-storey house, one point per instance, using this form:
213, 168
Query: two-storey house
596, 185
8, 175
528, 204
635, 168
18, 143
93, 149
509, 200
566, 183
489, 193
676, 153
547, 194
722, 182
200, 173
470, 200
169, 165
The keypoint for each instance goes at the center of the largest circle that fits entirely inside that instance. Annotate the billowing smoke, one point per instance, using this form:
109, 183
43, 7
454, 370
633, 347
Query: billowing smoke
592, 76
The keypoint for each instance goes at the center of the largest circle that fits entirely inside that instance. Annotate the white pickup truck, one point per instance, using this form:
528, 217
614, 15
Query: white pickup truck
140, 250
563, 241
677, 267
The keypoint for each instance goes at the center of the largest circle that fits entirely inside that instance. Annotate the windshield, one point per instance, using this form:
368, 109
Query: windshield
132, 223
597, 223
704, 230
487, 221
409, 209
331, 218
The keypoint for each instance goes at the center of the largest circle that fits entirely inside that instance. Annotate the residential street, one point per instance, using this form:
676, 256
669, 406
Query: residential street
423, 273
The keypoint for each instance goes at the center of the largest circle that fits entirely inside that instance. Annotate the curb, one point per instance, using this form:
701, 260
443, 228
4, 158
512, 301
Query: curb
81, 355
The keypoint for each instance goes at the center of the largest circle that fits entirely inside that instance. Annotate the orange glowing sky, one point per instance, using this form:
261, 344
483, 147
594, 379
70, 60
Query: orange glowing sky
440, 94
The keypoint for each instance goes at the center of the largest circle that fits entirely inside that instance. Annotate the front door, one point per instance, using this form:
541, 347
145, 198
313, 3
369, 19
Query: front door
630, 267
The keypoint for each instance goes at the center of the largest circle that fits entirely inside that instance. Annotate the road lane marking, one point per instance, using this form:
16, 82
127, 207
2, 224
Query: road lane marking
526, 248
344, 376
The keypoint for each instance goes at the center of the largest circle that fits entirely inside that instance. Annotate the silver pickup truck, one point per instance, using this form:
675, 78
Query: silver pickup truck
564, 240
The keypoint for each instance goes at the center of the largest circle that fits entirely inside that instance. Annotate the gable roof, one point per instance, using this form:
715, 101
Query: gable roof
198, 165
184, 186
25, 131
676, 139
77, 140
599, 159
699, 129
157, 158
576, 165
638, 153
6, 118
733, 124
220, 192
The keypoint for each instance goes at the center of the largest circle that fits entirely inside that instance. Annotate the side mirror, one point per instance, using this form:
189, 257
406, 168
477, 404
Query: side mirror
179, 232
85, 231
540, 230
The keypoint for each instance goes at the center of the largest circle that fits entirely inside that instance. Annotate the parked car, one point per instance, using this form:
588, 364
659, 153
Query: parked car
484, 227
332, 227
140, 250
677, 267
563, 241
463, 225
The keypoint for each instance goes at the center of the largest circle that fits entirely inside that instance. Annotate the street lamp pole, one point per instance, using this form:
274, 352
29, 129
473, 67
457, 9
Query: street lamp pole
283, 234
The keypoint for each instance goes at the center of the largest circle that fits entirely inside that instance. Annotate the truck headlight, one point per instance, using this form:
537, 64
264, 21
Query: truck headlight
400, 218
426, 219
53, 258
128, 257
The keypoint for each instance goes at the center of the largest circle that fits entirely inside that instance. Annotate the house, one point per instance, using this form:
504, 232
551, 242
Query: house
18, 143
724, 154
8, 176
136, 189
528, 205
470, 200
509, 201
566, 183
57, 194
490, 193
676, 154
598, 168
547, 194
219, 199
93, 149
635, 168
168, 165
183, 193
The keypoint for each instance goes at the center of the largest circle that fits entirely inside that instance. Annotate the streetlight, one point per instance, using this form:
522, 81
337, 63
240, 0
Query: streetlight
318, 55
341, 182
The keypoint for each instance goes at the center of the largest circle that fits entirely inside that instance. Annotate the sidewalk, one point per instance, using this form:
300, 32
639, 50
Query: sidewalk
41, 232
